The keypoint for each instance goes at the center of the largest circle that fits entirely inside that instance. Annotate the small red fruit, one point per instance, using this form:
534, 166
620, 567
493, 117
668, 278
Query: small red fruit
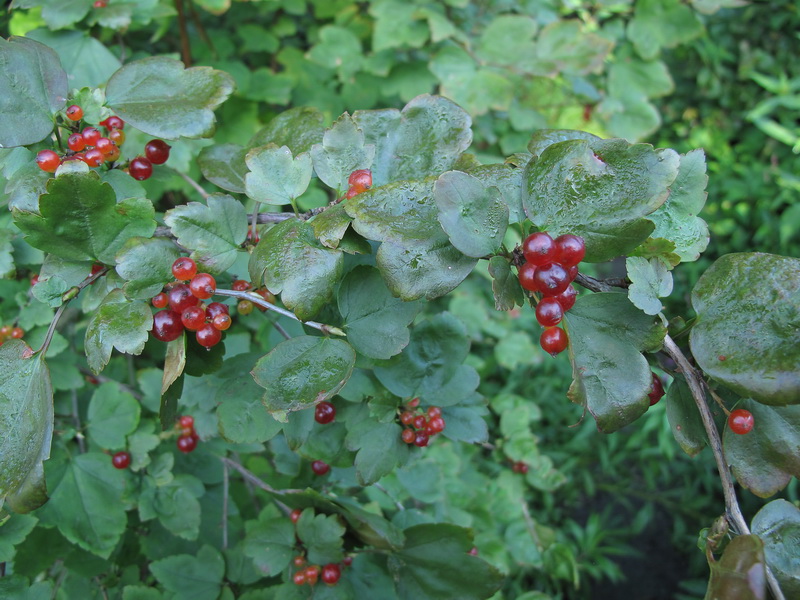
203, 286
407, 417
117, 136
312, 573
140, 168
167, 325
549, 312
347, 561
299, 561
319, 467
90, 136
567, 298
527, 274
186, 421
324, 413
539, 249
553, 340
434, 411
570, 249
157, 151
208, 336
222, 322
48, 160
216, 309
184, 268
331, 574
240, 285
419, 422
121, 460
413, 403
75, 142
295, 515
360, 180
408, 436
17, 333
193, 318
741, 421
436, 425
299, 578
187, 443
656, 391
421, 439
181, 298
74, 113
113, 123
94, 158
113, 153
551, 279
160, 300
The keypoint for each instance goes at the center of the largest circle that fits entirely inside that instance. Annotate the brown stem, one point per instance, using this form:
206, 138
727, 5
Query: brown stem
260, 483
601, 285
200, 29
186, 49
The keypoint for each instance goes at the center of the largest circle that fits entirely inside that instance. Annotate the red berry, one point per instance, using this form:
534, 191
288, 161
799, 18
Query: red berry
117, 136
473, 551
572, 272
222, 322
240, 285
216, 309
121, 460
656, 391
90, 136
551, 279
319, 467
549, 312
360, 180
94, 158
17, 333
347, 561
436, 425
96, 268
324, 413
299, 578
553, 340
539, 249
570, 249
181, 298
186, 421
140, 168
741, 421
295, 515
48, 160
105, 146
413, 403
160, 300
331, 574
420, 422
312, 573
408, 436
527, 274
76, 143
113, 123
299, 561
184, 268
434, 411
113, 153
100, 3
407, 417
74, 113
522, 468
203, 286
34, 279
208, 335
157, 151
421, 439
567, 298
187, 443
167, 325
193, 318
351, 193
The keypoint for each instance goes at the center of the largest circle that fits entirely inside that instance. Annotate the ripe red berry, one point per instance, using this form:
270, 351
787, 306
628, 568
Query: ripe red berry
551, 279
408, 436
240, 285
17, 333
473, 551
436, 425
741, 421
549, 312
527, 274
299, 561
160, 300
105, 145
74, 113
413, 403
419, 422
222, 322
295, 515
434, 411
570, 249
184, 268
48, 160
100, 3
347, 561
360, 180
567, 298
319, 467
193, 318
421, 439
186, 421
244, 307
203, 286
407, 417
208, 335
167, 325
75, 142
312, 573
90, 136
331, 574
522, 468
140, 168
117, 136
216, 309
181, 297
94, 158
656, 391
187, 443
553, 340
157, 151
324, 413
539, 249
121, 460
113, 123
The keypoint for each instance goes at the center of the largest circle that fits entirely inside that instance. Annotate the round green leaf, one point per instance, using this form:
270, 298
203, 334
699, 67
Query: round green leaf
146, 265
684, 418
275, 177
118, 323
778, 526
747, 333
189, 577
113, 414
224, 166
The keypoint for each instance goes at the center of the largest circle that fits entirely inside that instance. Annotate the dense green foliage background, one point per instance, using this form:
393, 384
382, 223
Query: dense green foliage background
597, 516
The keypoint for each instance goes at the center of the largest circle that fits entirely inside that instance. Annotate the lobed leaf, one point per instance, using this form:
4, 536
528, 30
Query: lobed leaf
276, 177
341, 152
117, 323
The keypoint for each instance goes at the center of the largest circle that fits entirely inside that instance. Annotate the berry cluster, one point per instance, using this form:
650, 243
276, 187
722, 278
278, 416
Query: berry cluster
184, 309
245, 307
420, 426
359, 181
550, 267
10, 332
188, 438
311, 574
741, 421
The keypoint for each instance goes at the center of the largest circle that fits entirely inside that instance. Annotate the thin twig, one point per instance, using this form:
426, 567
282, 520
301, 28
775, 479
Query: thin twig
186, 49
200, 29
76, 420
260, 483
281, 330
397, 503
225, 484
198, 188
732, 509
601, 285
250, 490
103, 379
259, 301
531, 525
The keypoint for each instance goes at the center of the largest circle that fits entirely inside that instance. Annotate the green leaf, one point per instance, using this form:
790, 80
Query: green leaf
15, 530
158, 96
466, 423
189, 577
610, 376
650, 280
322, 537
146, 265
542, 139
684, 418
341, 152
87, 61
600, 190
426, 138
119, 323
25, 186
476, 89
564, 46
660, 24
634, 78
508, 40
378, 446
435, 563
302, 371
175, 503
33, 88
438, 347
298, 128
15, 587
778, 526
290, 261
213, 232
766, 459
338, 48
270, 544
658, 248
375, 321
224, 166
747, 333
86, 502
113, 415
331, 225
397, 24
676, 220
276, 177
505, 284
740, 573
474, 217
26, 420
82, 220
508, 180
243, 419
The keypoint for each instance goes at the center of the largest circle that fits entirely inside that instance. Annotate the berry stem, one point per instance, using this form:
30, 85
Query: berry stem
198, 188
602, 285
263, 485
733, 512
717, 399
